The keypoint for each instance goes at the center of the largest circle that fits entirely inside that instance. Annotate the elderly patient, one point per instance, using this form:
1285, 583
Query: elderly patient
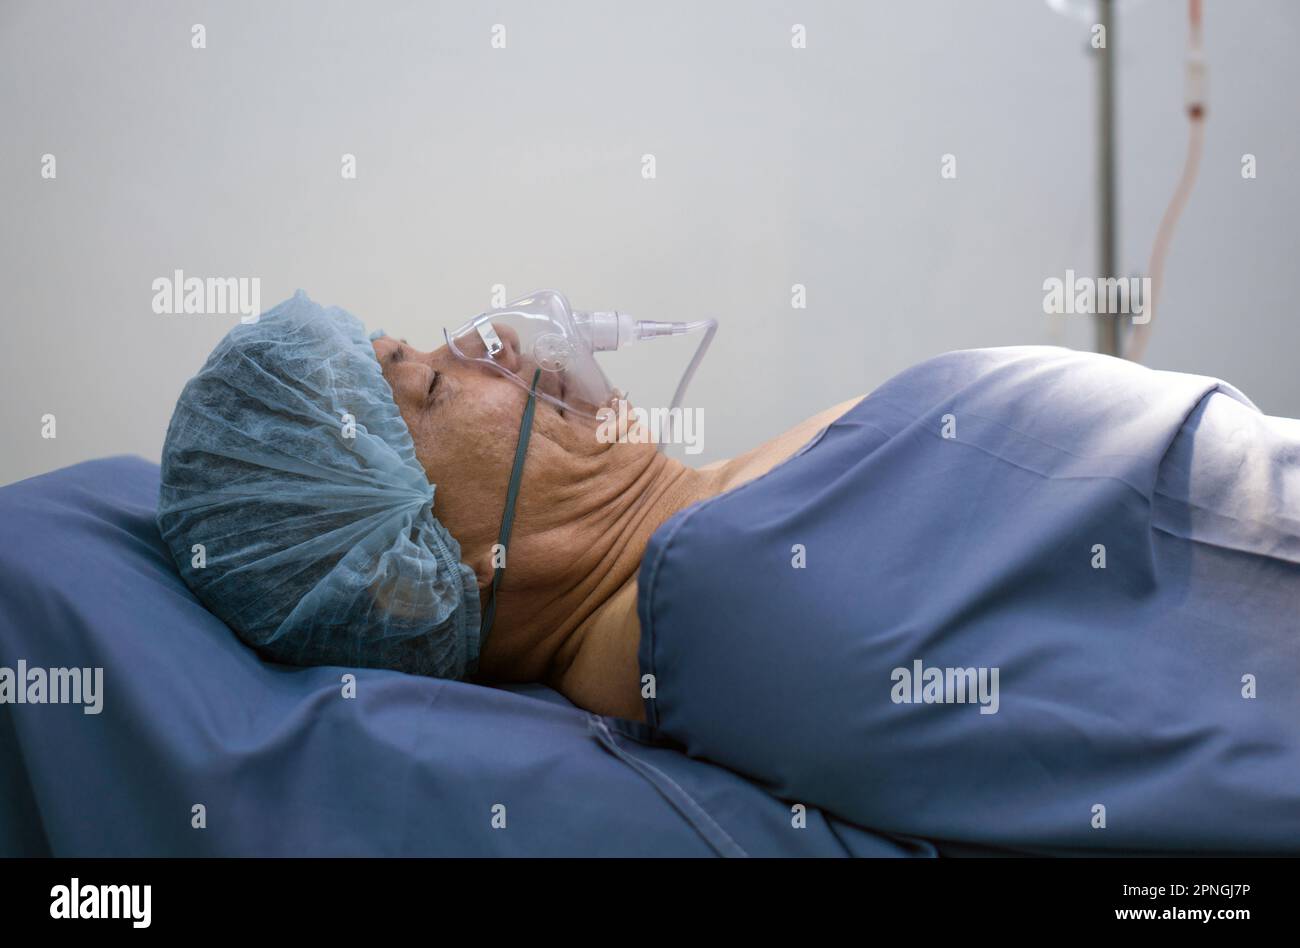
1104, 557
302, 472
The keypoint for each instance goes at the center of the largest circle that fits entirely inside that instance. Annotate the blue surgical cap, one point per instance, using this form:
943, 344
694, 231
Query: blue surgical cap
295, 508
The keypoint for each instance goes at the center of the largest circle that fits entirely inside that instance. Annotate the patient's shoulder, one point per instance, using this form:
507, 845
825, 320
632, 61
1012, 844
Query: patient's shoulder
760, 460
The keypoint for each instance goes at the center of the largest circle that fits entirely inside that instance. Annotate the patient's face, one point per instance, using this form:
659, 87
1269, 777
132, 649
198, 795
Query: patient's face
464, 419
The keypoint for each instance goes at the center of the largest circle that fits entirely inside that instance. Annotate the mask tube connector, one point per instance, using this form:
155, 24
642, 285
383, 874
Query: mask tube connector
608, 331
614, 330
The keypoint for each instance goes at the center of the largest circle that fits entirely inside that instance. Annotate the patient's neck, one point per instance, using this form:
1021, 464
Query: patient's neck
592, 659
595, 666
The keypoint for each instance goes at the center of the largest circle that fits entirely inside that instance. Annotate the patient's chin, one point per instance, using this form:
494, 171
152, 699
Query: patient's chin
576, 434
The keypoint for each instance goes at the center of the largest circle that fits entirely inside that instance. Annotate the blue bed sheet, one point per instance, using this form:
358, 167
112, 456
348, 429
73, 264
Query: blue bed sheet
279, 760
1119, 547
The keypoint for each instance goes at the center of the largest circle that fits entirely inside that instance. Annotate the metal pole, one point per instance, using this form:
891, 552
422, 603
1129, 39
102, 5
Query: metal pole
1107, 323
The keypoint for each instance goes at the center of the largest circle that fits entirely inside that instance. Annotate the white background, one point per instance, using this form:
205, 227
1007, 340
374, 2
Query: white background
522, 166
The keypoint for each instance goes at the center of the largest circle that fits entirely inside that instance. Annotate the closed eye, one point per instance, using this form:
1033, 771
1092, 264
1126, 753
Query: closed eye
433, 383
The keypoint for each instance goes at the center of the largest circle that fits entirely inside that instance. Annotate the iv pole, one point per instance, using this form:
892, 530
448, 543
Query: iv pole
1107, 324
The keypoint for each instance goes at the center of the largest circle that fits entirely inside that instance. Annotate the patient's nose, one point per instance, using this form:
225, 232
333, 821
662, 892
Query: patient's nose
509, 356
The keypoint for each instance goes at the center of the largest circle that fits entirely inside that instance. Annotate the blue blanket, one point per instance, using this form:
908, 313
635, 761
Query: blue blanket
1016, 599
198, 747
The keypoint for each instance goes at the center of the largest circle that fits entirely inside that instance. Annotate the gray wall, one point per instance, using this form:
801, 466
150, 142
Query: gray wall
522, 167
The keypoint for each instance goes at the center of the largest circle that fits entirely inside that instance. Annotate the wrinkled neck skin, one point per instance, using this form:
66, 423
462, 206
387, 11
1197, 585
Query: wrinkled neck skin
566, 607
569, 620
596, 667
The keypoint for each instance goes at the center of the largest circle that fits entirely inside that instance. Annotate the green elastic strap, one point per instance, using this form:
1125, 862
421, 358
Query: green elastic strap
508, 517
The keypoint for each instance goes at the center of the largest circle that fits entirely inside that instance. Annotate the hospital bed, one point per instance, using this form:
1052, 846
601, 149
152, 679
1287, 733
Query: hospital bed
202, 748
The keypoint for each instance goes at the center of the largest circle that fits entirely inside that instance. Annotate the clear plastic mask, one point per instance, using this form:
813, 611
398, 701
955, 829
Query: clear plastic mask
540, 331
